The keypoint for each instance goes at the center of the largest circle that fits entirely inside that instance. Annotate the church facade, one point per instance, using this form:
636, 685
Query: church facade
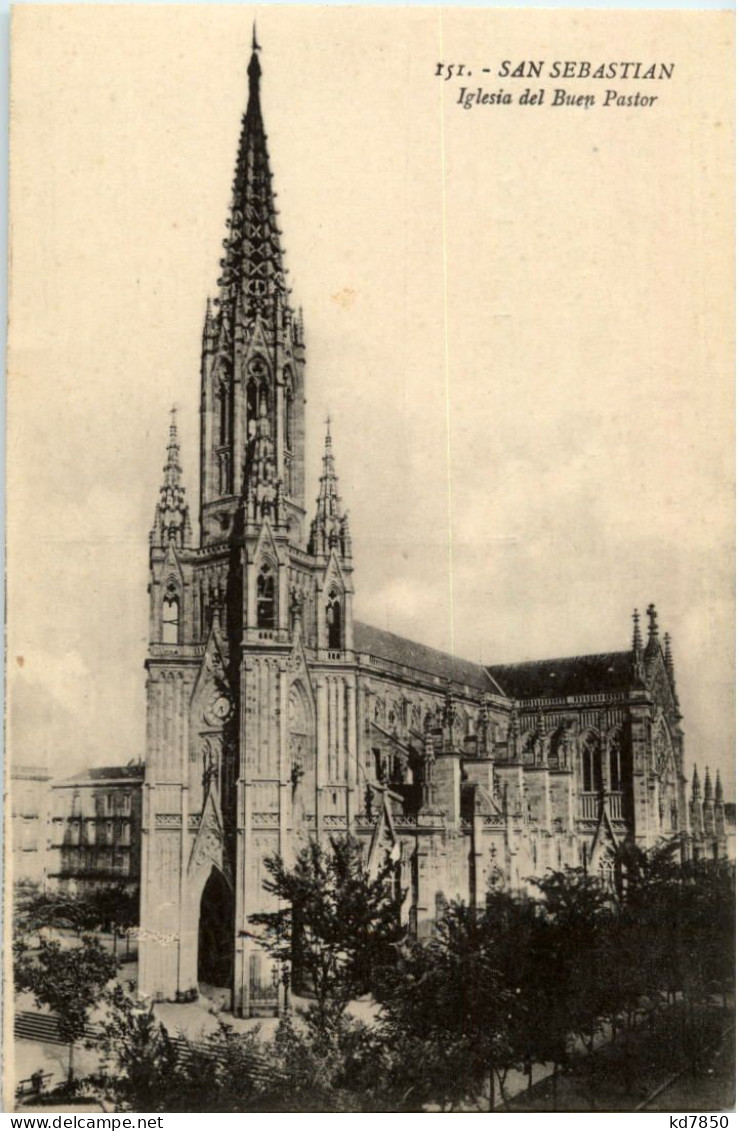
274, 716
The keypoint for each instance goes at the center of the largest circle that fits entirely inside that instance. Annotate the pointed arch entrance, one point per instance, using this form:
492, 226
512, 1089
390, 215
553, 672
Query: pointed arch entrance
215, 932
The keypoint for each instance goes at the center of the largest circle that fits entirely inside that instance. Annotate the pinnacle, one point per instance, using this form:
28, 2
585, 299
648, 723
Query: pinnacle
637, 639
172, 518
696, 787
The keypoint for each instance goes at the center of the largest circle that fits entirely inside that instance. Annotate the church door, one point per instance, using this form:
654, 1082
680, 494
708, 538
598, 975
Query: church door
215, 937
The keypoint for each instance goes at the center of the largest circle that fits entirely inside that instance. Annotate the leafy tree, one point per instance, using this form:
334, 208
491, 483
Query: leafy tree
68, 980
139, 1057
145, 1069
342, 1067
35, 910
577, 910
447, 1012
337, 925
112, 908
306, 1067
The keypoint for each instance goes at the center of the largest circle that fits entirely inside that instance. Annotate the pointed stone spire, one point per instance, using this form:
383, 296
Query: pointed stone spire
637, 667
719, 799
696, 787
708, 786
329, 529
252, 278
668, 658
637, 638
209, 330
696, 814
720, 813
708, 807
172, 517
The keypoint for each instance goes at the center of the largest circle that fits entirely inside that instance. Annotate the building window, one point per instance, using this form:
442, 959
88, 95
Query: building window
224, 415
333, 620
289, 413
252, 405
591, 766
616, 780
170, 619
224, 468
265, 598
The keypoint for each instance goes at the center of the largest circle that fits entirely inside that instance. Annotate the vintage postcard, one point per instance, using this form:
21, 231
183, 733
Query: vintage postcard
370, 561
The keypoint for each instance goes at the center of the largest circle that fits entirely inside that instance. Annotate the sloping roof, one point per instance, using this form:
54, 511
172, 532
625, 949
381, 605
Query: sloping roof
572, 675
109, 773
398, 650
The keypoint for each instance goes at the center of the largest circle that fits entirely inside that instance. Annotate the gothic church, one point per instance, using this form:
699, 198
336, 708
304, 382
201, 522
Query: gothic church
274, 716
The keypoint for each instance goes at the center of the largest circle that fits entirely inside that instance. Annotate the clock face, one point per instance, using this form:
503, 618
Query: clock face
221, 707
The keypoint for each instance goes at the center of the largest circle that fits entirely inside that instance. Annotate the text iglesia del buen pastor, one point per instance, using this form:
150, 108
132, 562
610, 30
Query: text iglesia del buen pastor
558, 96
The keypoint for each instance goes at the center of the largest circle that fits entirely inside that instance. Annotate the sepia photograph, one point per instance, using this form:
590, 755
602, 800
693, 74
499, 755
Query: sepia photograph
370, 721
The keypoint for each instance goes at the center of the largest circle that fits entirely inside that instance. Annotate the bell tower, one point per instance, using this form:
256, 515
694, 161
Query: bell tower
250, 689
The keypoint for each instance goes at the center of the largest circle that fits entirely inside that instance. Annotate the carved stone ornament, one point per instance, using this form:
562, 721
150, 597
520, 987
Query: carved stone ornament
208, 846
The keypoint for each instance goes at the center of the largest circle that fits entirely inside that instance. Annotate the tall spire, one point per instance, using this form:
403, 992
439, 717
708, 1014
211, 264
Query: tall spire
329, 529
251, 346
668, 658
708, 808
696, 787
252, 280
708, 786
172, 517
718, 789
637, 668
637, 638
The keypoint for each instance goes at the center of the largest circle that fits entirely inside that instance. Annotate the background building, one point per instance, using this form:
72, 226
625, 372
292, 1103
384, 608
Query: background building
29, 816
95, 828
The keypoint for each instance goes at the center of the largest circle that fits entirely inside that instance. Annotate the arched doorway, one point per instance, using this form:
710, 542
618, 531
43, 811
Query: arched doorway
215, 933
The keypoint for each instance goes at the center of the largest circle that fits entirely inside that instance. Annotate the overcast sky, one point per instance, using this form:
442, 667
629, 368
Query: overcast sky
519, 319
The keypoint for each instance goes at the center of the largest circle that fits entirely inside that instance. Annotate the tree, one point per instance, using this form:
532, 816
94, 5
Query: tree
69, 981
338, 925
305, 1067
35, 910
112, 908
139, 1057
577, 909
446, 1011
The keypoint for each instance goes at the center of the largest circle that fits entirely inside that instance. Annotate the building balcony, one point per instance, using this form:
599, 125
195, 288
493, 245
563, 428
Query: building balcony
589, 806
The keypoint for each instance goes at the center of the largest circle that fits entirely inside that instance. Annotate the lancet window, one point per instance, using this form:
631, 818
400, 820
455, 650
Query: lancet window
170, 617
333, 619
265, 598
591, 765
